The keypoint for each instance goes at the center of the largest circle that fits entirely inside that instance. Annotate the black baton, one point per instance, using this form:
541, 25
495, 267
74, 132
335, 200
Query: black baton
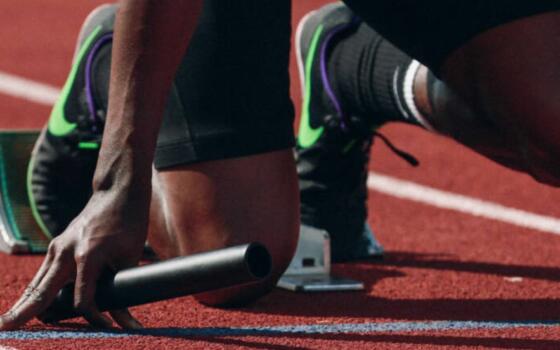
170, 279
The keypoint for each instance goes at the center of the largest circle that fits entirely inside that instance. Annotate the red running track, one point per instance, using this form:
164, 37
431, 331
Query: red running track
441, 265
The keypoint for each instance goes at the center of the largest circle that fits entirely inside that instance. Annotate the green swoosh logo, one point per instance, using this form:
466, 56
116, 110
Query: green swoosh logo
58, 124
308, 135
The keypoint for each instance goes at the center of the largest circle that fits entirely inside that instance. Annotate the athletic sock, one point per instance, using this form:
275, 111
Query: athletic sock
374, 79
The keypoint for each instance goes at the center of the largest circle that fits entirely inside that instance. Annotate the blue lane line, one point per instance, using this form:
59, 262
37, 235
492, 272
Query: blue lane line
362, 328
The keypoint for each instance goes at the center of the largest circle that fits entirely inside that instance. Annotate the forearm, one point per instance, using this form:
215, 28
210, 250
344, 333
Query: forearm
150, 39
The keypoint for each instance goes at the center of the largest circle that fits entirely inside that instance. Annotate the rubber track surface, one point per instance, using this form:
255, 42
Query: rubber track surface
450, 280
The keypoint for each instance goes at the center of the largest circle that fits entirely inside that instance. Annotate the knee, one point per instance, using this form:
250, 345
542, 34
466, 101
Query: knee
281, 241
243, 295
542, 162
235, 201
537, 127
281, 247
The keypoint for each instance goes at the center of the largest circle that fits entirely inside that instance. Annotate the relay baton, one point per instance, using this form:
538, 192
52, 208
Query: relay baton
171, 278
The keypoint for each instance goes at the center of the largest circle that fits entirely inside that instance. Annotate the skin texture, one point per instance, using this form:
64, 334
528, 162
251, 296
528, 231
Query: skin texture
499, 97
216, 204
450, 115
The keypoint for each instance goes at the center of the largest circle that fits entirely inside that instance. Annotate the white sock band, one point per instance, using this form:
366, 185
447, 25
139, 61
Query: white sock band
408, 94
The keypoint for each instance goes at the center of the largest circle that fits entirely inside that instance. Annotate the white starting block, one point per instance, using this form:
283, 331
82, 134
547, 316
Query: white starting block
310, 269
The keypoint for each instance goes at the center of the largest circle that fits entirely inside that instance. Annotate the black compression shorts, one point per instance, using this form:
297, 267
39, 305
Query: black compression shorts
431, 30
232, 87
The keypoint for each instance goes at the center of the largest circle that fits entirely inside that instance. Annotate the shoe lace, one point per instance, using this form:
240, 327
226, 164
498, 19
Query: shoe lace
356, 126
409, 158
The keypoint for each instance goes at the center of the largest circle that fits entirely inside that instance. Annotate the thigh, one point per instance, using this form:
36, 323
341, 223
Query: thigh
510, 75
499, 56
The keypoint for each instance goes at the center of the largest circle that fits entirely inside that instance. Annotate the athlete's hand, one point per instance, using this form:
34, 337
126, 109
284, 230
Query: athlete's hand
108, 234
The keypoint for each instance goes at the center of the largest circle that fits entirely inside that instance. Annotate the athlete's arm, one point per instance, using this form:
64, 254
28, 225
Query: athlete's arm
150, 39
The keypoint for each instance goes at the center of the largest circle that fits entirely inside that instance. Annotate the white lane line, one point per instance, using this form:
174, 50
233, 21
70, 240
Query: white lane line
464, 204
28, 89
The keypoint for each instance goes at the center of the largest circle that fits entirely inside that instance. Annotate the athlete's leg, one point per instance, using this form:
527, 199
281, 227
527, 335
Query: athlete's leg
215, 204
225, 169
447, 113
499, 74
332, 153
510, 75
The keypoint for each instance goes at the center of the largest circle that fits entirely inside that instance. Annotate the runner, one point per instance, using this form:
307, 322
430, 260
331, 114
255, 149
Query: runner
224, 166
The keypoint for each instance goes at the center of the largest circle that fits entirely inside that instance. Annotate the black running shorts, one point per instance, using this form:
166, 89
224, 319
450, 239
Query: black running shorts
430, 30
231, 94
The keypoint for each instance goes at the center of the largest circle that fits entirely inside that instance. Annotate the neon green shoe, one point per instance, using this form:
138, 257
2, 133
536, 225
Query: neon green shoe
333, 149
64, 158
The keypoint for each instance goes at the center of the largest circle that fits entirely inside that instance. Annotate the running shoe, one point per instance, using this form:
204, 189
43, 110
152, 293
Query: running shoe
60, 172
333, 148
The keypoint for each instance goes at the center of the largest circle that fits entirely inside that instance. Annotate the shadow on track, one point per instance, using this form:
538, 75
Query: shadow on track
366, 305
445, 262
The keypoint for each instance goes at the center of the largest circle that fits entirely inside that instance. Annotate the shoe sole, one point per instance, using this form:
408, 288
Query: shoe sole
31, 166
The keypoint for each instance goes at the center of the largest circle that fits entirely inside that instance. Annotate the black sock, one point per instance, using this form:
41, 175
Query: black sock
373, 78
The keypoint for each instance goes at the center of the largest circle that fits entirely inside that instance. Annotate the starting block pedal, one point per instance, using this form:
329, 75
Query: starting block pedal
310, 269
19, 232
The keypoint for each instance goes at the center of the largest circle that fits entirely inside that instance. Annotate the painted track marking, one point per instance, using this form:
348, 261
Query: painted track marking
28, 89
464, 204
46, 94
350, 328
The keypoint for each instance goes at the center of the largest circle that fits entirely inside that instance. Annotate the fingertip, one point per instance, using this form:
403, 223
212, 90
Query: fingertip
107, 322
97, 319
7, 321
125, 319
135, 325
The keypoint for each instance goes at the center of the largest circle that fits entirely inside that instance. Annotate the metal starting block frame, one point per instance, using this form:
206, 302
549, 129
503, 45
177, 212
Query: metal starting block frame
310, 269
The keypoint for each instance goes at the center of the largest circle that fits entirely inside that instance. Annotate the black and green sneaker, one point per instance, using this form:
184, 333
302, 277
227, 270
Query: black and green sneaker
63, 161
333, 148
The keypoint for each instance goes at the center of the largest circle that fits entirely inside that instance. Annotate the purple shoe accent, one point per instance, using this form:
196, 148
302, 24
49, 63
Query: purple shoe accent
89, 93
324, 75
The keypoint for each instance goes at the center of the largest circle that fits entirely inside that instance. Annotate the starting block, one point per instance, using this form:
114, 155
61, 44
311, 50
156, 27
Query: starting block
310, 269
19, 233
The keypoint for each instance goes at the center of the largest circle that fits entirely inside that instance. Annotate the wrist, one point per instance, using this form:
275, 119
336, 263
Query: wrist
123, 169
